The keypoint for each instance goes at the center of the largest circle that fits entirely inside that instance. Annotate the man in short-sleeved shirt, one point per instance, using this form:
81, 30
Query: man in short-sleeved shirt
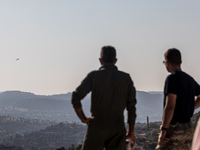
179, 104
185, 87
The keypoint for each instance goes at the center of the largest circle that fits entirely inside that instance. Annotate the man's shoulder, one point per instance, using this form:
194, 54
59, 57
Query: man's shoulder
91, 73
178, 74
171, 76
184, 75
123, 73
116, 72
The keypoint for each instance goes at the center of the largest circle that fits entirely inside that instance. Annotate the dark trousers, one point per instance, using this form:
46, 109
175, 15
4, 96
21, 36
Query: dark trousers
100, 136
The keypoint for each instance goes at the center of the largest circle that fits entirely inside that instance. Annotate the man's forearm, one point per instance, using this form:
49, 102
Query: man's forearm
167, 116
169, 109
130, 129
197, 102
80, 113
130, 134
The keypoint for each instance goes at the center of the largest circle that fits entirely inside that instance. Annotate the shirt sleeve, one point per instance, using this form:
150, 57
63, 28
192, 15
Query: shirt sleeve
171, 85
82, 90
131, 109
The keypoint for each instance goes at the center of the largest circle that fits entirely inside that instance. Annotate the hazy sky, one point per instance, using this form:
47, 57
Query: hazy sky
58, 41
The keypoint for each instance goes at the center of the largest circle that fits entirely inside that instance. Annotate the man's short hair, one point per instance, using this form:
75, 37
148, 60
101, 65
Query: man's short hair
173, 56
108, 54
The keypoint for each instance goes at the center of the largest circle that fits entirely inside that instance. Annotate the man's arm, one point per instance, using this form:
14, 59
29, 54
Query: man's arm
81, 115
131, 113
79, 94
130, 134
197, 102
167, 115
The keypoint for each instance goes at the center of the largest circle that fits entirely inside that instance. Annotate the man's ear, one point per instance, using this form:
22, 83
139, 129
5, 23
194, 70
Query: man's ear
115, 61
101, 61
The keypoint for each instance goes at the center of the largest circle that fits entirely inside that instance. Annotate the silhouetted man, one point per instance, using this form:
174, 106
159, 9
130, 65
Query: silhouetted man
179, 104
111, 92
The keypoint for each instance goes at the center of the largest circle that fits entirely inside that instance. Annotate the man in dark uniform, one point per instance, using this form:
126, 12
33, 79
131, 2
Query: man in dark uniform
179, 104
111, 92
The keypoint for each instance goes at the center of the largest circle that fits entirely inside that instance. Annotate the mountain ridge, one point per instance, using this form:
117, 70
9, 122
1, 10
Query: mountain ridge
58, 107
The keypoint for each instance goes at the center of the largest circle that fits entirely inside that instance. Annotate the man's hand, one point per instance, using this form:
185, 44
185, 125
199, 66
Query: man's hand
130, 134
82, 116
162, 137
132, 139
87, 120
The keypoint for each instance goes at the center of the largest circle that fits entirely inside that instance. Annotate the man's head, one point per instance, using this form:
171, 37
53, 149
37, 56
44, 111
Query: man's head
172, 59
108, 55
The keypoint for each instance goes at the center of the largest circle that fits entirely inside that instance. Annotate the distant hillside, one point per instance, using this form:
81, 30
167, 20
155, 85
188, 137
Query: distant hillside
28, 105
58, 107
10, 98
55, 136
66, 135
149, 104
3, 147
26, 134
10, 127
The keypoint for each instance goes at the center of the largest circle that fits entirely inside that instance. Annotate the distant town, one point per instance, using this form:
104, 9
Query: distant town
35, 122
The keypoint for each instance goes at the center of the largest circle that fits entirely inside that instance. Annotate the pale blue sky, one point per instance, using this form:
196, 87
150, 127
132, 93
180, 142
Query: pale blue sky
58, 42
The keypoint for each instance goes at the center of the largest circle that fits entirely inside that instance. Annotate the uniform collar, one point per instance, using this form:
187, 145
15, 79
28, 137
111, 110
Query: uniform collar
108, 66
